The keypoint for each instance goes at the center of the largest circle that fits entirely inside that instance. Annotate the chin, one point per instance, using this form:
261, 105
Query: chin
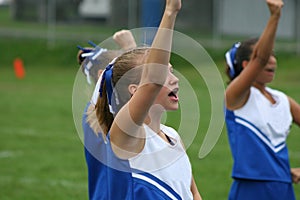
172, 108
269, 81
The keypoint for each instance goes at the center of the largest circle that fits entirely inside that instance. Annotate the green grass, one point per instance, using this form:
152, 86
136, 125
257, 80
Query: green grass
41, 155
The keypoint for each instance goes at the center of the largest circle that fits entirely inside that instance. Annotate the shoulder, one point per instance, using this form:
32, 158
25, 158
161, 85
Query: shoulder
169, 130
274, 91
277, 93
250, 99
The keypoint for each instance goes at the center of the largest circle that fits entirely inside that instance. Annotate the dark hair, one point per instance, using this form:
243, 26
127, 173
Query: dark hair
243, 53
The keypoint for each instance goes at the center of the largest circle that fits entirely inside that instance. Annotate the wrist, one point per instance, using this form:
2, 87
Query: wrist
170, 13
276, 15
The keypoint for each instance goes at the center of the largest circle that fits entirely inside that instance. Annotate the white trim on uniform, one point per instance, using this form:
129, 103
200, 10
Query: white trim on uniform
260, 135
160, 187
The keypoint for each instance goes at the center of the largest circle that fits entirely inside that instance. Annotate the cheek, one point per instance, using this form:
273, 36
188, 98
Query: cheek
162, 94
261, 76
166, 81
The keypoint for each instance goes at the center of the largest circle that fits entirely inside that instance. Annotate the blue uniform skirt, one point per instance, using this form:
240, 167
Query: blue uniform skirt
242, 189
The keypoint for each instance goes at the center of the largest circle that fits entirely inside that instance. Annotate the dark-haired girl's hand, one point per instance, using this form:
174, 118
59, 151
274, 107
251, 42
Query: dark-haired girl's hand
275, 6
295, 175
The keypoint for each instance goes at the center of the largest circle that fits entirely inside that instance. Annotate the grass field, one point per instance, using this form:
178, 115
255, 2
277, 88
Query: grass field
41, 155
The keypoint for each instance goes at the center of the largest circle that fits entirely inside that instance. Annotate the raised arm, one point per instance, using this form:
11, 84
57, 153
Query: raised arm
126, 131
156, 69
239, 89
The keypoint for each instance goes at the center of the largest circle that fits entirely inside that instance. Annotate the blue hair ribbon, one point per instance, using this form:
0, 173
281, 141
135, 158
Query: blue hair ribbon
84, 49
230, 58
92, 44
91, 54
107, 76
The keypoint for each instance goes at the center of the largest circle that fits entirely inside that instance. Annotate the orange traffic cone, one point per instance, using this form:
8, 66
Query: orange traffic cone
19, 68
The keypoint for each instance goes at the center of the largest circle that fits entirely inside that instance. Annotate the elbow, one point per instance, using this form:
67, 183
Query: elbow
262, 60
154, 74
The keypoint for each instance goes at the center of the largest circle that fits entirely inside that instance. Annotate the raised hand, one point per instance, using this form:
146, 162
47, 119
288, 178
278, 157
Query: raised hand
173, 5
124, 39
275, 6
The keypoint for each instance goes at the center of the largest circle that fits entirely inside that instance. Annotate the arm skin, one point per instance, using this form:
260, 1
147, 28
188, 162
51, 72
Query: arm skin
295, 175
195, 192
238, 90
130, 118
295, 110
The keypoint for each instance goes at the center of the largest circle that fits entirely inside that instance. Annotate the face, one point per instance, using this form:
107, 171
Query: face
268, 73
168, 95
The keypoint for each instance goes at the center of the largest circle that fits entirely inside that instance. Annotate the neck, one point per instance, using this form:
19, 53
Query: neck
260, 86
154, 118
262, 89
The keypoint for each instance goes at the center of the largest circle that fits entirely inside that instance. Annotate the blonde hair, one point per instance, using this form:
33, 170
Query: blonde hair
123, 64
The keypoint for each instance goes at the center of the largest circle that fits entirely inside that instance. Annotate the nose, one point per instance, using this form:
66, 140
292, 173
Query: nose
272, 60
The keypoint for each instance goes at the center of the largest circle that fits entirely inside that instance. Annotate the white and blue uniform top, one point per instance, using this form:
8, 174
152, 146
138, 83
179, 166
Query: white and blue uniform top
257, 135
161, 171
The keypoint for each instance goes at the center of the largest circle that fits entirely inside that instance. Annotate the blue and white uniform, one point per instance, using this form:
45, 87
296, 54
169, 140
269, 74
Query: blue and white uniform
257, 135
161, 171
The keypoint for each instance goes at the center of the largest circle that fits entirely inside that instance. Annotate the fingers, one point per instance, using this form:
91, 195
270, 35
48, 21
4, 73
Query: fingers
278, 3
296, 179
275, 6
295, 175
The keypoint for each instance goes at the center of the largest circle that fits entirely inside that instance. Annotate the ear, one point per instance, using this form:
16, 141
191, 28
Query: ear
132, 88
245, 63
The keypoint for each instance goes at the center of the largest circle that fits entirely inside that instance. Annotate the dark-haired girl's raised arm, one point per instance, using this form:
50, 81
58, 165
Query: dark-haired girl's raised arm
238, 90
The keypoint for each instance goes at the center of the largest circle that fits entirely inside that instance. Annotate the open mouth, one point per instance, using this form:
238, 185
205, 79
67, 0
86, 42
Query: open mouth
270, 70
173, 94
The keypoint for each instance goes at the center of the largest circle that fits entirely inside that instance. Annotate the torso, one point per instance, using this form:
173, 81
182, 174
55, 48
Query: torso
152, 174
257, 134
164, 160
